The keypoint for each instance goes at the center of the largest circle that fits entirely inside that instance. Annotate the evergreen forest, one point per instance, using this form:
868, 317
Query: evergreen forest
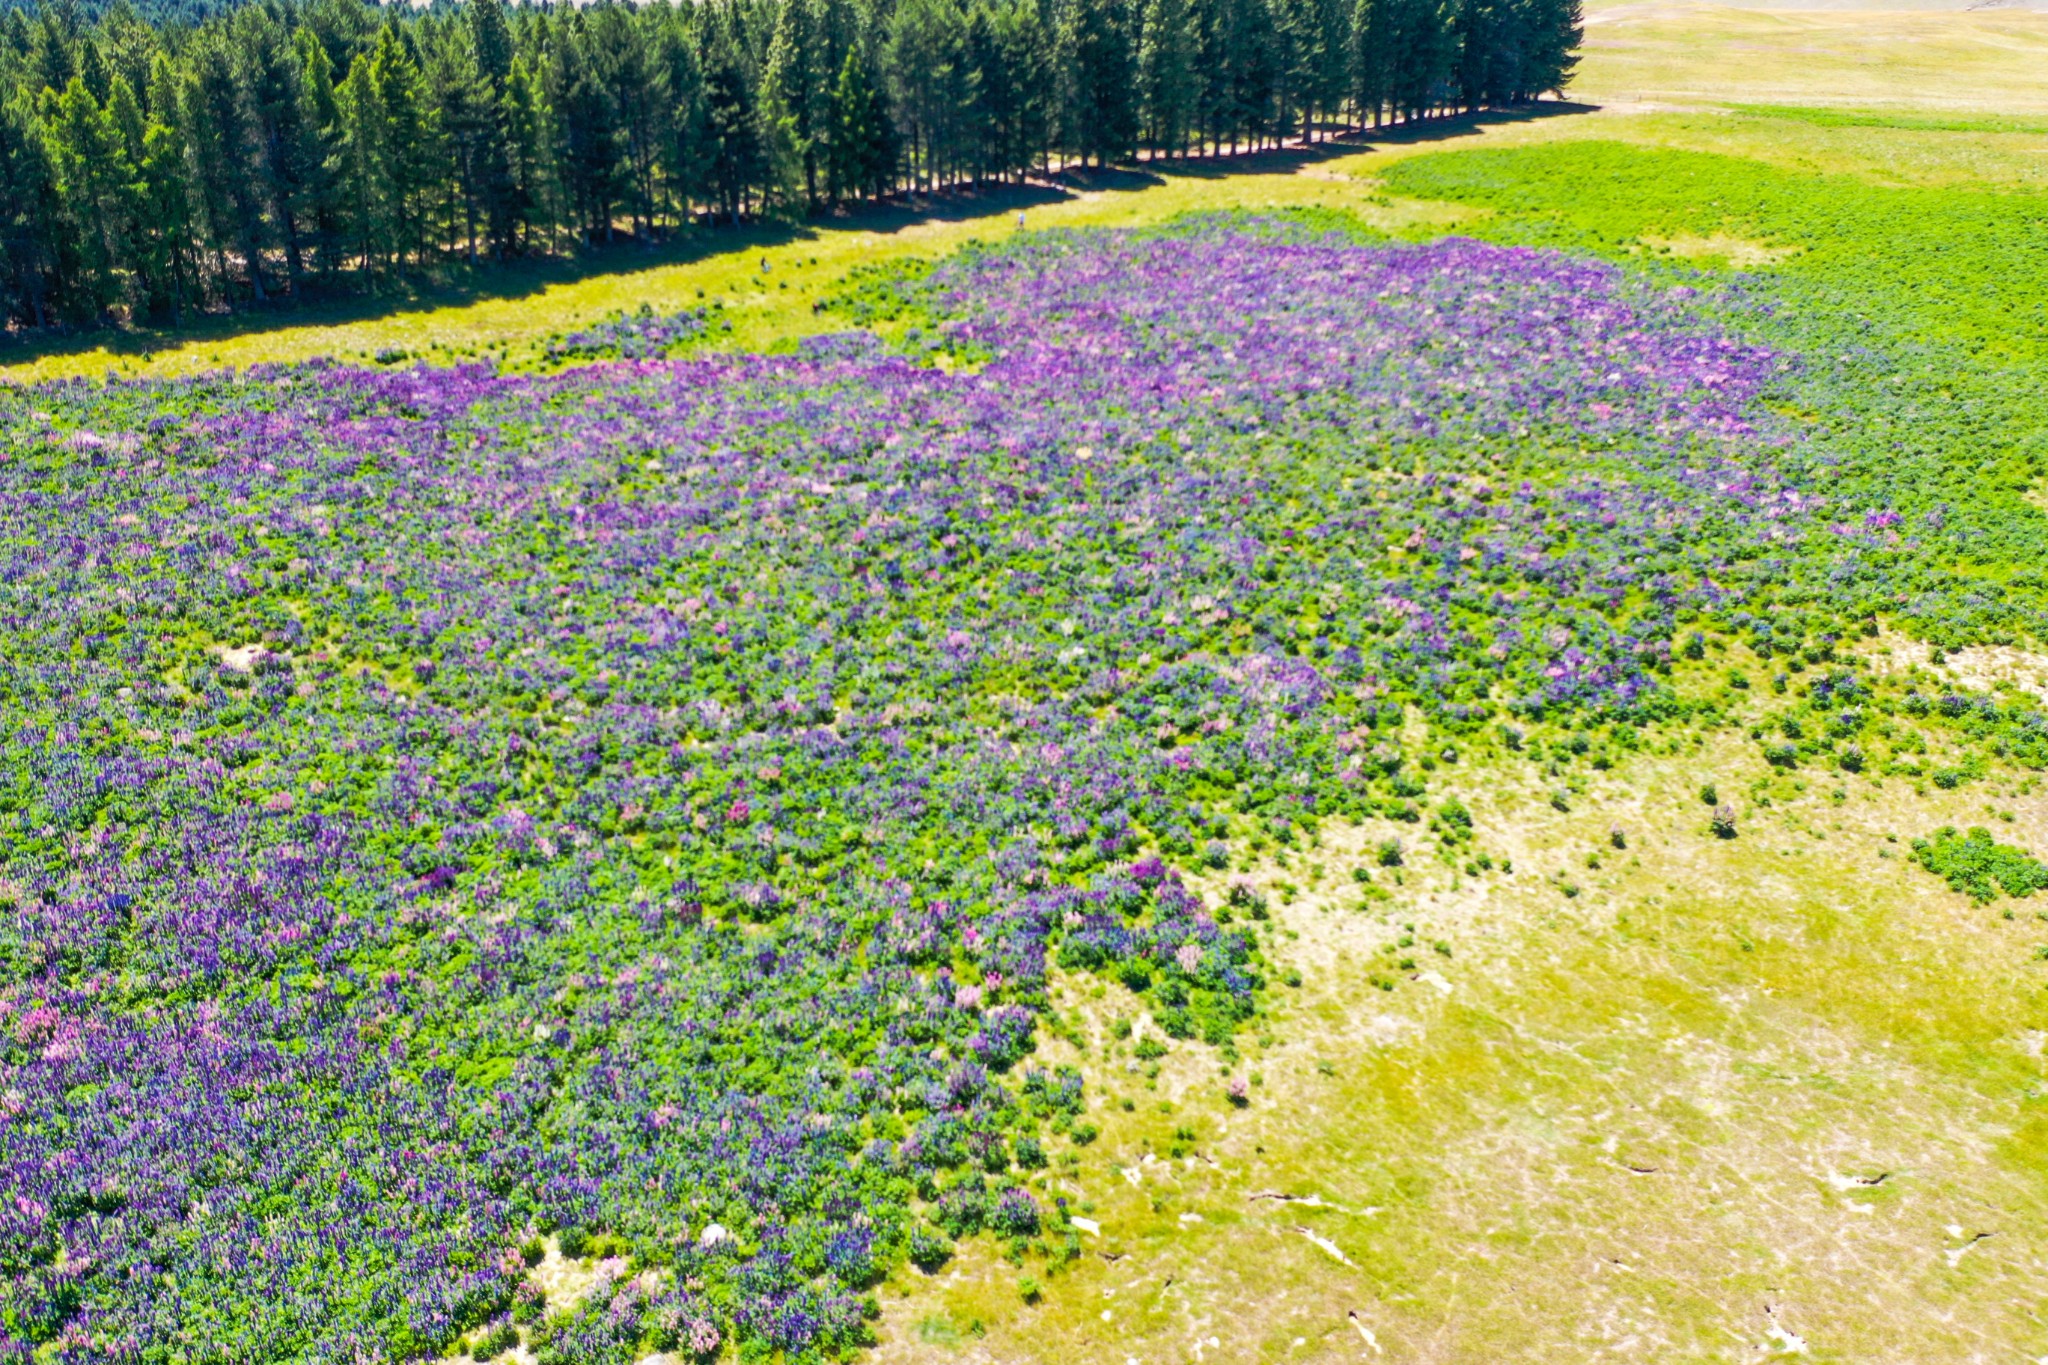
160, 164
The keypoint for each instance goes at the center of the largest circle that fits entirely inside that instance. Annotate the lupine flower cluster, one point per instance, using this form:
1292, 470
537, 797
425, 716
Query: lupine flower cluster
644, 802
640, 335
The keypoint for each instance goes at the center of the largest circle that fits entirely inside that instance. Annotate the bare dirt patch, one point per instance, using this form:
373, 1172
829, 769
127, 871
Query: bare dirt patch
1984, 668
1740, 252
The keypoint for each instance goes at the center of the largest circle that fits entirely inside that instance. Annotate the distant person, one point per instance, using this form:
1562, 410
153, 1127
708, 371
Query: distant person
1020, 219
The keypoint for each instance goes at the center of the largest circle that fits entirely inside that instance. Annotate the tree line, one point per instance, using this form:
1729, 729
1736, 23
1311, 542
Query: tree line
155, 170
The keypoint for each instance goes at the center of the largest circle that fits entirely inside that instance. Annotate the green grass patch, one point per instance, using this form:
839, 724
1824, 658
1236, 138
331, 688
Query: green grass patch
1885, 118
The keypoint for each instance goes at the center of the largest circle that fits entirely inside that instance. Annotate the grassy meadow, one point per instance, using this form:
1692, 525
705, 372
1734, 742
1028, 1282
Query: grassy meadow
1657, 1094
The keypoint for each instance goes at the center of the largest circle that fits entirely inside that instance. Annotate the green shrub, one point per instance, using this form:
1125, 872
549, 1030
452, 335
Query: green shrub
1978, 866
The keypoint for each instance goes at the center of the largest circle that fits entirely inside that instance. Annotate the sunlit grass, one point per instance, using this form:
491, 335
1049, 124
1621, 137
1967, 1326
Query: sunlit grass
1725, 1074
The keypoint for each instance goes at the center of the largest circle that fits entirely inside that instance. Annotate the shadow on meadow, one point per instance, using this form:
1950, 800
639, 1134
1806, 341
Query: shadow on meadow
457, 285
1296, 158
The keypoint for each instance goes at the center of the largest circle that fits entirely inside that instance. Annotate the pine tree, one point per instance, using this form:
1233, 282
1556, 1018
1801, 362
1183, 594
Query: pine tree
129, 44
92, 69
1555, 29
167, 197
1027, 51
320, 113
1332, 72
17, 39
735, 161
490, 41
288, 154
526, 121
1215, 85
408, 140
680, 85
1102, 114
1313, 38
1166, 74
467, 110
366, 193
137, 248
216, 124
585, 131
1421, 57
925, 50
861, 147
1372, 58
30, 214
793, 98
51, 61
623, 60
82, 145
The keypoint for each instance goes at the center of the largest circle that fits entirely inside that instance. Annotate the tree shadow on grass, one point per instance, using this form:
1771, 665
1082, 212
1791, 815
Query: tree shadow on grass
458, 285
1352, 142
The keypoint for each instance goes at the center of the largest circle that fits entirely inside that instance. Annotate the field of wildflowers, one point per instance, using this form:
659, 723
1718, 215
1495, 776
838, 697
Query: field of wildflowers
640, 805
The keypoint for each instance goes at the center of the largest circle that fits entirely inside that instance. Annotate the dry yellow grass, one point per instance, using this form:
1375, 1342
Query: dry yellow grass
1918, 58
1730, 1097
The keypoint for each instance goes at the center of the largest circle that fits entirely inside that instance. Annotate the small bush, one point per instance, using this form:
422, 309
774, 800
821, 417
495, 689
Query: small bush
1979, 866
1244, 896
929, 1248
495, 1342
1723, 822
1015, 1214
